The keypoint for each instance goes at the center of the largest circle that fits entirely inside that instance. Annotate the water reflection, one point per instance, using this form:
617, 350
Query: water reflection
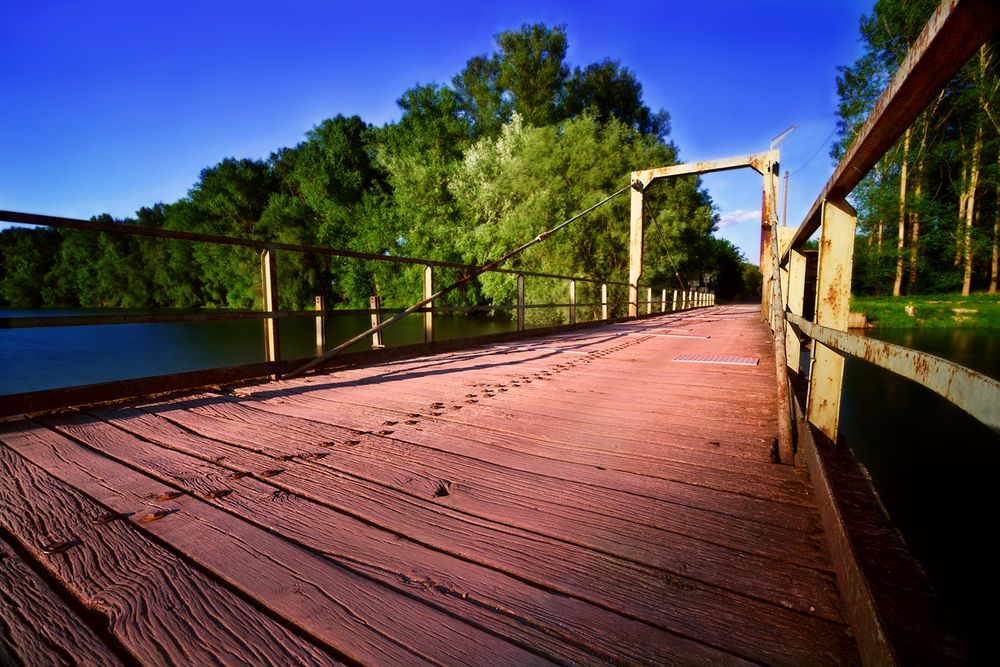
46, 358
935, 469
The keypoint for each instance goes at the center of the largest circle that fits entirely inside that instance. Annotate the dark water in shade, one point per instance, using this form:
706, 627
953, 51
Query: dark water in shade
45, 358
937, 471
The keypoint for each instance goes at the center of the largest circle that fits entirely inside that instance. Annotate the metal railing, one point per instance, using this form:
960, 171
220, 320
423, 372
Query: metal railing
603, 309
952, 35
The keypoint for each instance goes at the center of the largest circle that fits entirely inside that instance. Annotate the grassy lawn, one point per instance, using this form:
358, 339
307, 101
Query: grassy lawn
937, 310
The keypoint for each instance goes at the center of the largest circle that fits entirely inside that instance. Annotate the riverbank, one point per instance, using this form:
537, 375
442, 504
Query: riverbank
931, 311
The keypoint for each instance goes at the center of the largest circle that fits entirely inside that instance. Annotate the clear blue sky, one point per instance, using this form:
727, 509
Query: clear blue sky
109, 106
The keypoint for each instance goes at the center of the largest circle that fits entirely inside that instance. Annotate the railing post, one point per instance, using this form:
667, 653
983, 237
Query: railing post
604, 301
634, 247
767, 210
649, 300
673, 306
375, 303
320, 324
269, 292
796, 301
663, 301
520, 302
429, 315
833, 289
572, 302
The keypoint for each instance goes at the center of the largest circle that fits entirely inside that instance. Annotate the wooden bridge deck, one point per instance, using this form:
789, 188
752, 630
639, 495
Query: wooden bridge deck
581, 498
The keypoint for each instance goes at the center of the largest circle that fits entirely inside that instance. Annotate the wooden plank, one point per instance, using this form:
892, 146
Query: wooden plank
364, 620
673, 602
37, 626
583, 447
601, 517
138, 586
562, 628
447, 437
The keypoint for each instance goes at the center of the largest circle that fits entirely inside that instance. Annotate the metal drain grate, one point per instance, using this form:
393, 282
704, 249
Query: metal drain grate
729, 359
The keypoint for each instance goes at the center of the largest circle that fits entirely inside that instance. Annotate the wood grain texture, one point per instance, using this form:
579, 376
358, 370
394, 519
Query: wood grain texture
332, 604
157, 606
576, 499
37, 626
697, 610
502, 604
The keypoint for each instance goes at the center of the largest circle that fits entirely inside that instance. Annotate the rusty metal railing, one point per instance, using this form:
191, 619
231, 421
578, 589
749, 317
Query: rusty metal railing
952, 35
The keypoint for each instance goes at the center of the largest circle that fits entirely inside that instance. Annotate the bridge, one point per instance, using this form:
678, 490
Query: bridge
663, 485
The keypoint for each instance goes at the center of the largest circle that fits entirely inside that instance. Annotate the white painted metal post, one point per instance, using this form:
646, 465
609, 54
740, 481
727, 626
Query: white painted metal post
429, 315
796, 301
634, 248
833, 290
663, 301
572, 302
269, 292
375, 303
520, 302
604, 301
673, 306
320, 324
649, 300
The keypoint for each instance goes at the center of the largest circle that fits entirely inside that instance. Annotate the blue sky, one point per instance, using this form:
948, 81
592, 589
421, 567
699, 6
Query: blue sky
109, 106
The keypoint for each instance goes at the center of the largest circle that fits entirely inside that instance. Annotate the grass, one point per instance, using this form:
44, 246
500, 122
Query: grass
931, 311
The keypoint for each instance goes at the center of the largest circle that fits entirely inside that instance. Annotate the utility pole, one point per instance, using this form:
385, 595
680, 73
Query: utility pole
784, 202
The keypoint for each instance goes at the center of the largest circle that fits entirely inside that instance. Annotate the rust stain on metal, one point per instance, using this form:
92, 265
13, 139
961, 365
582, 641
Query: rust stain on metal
973, 392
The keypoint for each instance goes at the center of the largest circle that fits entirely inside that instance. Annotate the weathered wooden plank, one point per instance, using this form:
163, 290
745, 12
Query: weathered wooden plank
653, 435
365, 621
676, 603
37, 626
663, 414
450, 437
158, 607
563, 628
586, 448
601, 517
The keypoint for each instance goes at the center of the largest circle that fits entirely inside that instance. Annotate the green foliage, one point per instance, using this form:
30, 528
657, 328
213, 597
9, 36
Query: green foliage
515, 145
931, 311
956, 132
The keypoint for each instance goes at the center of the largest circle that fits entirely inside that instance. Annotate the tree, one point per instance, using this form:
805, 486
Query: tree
933, 184
612, 91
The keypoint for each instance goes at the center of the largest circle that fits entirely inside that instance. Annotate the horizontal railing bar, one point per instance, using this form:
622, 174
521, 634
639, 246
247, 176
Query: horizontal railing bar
973, 392
951, 36
222, 316
136, 230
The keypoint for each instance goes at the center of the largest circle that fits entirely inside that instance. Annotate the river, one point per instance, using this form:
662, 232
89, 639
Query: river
935, 469
45, 358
